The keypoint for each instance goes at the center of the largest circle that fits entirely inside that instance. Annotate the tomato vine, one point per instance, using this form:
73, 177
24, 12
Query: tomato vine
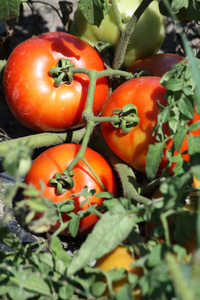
167, 252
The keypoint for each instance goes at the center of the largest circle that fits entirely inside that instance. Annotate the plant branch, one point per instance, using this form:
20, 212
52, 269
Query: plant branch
43, 140
181, 285
126, 32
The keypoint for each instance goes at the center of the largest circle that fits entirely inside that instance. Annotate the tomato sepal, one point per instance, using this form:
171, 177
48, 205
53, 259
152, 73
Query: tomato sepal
63, 182
128, 117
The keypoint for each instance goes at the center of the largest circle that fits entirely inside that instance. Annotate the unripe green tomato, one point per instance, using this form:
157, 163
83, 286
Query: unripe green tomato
15, 166
146, 39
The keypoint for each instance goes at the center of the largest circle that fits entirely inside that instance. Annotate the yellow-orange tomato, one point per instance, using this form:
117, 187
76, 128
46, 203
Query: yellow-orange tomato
120, 257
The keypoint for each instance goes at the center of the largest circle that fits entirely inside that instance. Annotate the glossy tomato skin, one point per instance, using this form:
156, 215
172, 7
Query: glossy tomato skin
30, 91
146, 39
56, 159
132, 147
156, 64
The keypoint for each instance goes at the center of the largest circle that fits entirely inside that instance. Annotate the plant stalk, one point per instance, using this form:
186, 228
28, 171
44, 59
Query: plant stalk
126, 32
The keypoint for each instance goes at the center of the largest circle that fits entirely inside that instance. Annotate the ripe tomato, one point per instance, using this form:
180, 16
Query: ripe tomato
156, 64
132, 147
56, 159
31, 93
146, 39
120, 257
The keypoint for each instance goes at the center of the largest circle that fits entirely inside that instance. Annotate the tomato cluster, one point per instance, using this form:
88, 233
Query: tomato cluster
46, 83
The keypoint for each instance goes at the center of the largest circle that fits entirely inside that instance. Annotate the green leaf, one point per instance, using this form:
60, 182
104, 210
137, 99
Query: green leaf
174, 85
194, 126
74, 224
66, 292
178, 160
67, 206
186, 107
153, 159
9, 9
177, 5
193, 144
39, 205
15, 292
94, 10
58, 251
114, 226
98, 288
157, 255
9, 239
125, 293
180, 137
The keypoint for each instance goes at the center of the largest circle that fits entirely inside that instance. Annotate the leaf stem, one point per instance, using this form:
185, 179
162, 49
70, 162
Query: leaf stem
166, 226
181, 285
126, 32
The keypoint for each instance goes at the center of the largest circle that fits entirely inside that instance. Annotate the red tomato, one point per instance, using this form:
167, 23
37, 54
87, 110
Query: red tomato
31, 93
132, 147
157, 64
56, 159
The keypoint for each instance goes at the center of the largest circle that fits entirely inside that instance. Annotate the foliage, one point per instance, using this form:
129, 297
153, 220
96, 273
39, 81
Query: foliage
9, 9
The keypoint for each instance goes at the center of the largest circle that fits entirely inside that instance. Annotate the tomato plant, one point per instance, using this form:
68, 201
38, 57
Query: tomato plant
56, 159
120, 257
156, 64
30, 91
146, 39
163, 107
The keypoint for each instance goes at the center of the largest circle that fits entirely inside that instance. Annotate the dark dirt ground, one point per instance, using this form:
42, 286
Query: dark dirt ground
41, 17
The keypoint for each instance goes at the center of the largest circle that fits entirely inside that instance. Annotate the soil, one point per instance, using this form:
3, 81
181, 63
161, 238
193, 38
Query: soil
42, 17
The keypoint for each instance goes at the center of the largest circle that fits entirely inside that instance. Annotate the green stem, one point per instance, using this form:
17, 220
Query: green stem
43, 140
184, 291
166, 226
80, 154
95, 175
105, 73
88, 112
41, 247
62, 227
125, 33
114, 118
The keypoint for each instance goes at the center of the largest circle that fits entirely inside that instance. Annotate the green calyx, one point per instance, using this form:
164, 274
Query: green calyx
128, 118
61, 73
63, 182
